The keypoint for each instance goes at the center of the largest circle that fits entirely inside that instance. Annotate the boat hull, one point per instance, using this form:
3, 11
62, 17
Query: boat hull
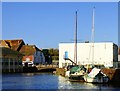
76, 78
96, 80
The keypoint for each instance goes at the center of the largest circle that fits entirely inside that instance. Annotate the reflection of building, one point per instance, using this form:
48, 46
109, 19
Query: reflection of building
88, 53
33, 56
11, 60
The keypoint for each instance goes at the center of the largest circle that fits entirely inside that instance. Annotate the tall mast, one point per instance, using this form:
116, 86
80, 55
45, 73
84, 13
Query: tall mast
92, 38
75, 49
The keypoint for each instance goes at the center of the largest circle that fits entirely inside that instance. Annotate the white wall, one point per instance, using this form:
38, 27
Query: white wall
103, 53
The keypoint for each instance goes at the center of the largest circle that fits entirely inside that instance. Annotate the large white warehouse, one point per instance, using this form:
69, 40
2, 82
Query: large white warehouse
88, 53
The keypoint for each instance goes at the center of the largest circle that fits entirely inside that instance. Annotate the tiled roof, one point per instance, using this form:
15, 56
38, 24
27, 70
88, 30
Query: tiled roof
28, 49
3, 44
13, 44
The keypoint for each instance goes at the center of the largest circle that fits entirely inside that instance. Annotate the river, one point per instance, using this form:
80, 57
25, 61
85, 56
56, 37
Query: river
42, 81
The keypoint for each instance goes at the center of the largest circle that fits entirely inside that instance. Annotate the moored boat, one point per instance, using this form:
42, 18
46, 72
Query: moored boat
96, 76
77, 73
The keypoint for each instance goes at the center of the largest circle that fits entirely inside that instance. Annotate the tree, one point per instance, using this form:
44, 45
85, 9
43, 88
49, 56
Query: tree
54, 53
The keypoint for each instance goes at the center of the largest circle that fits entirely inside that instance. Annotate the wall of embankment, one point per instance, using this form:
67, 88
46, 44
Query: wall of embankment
113, 74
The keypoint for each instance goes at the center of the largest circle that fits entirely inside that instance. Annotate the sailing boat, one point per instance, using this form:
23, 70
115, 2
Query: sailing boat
77, 71
96, 75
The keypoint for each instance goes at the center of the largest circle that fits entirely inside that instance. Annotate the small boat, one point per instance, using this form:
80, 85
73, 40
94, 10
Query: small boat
77, 73
96, 76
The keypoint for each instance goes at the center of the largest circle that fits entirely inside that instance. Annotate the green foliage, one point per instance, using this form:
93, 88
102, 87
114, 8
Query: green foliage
54, 52
45, 52
51, 54
55, 57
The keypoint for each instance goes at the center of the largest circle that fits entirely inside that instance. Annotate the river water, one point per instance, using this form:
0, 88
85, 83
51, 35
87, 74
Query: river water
42, 81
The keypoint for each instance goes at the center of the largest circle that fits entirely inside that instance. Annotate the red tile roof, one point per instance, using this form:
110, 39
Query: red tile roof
4, 44
28, 49
13, 44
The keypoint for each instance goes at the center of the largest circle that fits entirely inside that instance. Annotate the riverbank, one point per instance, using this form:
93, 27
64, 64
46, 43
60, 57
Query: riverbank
33, 69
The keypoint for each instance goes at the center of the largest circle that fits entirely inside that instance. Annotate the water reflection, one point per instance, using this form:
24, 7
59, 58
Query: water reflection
47, 81
28, 74
63, 83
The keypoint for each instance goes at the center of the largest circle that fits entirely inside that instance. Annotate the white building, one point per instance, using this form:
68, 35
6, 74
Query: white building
88, 53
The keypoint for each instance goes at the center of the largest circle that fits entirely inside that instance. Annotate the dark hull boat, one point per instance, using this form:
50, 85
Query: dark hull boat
77, 73
77, 78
